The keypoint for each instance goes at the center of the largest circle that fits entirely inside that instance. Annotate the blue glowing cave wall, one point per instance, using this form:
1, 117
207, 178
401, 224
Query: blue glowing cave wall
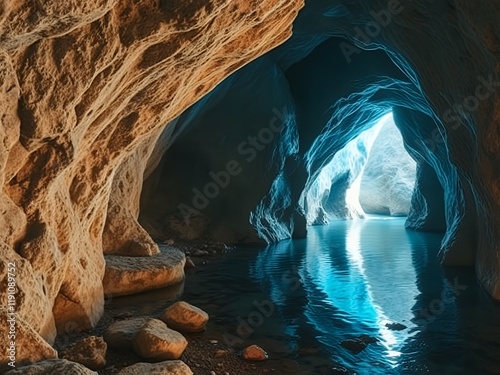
326, 85
388, 179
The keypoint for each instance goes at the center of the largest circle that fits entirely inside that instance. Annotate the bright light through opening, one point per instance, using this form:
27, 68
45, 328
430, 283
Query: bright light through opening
372, 174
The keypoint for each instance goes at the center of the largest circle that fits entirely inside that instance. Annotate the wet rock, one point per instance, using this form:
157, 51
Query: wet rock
119, 335
354, 345
185, 317
368, 339
160, 368
52, 367
90, 352
254, 353
129, 275
156, 341
396, 326
189, 264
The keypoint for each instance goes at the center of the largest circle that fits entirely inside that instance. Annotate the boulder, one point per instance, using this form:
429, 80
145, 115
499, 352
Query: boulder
52, 367
129, 275
185, 317
90, 352
160, 368
155, 340
119, 335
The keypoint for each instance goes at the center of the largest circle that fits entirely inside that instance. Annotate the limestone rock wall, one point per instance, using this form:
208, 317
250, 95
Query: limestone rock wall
85, 90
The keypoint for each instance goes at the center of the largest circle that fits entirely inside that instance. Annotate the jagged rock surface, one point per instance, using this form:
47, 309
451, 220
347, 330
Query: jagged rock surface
85, 91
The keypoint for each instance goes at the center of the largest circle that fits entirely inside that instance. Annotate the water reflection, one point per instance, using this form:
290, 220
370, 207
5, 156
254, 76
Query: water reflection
349, 279
358, 276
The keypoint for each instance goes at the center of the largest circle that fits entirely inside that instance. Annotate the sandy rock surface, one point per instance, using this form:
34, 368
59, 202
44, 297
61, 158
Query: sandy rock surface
129, 275
185, 317
86, 89
160, 368
155, 340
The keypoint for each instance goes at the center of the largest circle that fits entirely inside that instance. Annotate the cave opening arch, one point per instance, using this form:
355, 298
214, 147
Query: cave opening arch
371, 175
322, 102
408, 91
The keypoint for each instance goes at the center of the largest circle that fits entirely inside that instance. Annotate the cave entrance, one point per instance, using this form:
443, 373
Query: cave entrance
371, 175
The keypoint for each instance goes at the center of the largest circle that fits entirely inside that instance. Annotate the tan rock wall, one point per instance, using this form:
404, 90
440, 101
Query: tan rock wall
85, 89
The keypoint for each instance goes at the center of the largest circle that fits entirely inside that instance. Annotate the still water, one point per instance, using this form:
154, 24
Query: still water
300, 299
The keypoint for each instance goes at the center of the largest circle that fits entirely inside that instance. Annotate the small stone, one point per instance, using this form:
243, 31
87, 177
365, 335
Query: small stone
254, 353
156, 341
189, 264
354, 345
213, 342
126, 275
185, 317
396, 326
90, 352
220, 353
169, 242
160, 368
212, 373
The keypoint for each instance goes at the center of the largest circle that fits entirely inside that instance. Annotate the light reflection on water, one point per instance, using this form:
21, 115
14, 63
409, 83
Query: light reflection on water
348, 279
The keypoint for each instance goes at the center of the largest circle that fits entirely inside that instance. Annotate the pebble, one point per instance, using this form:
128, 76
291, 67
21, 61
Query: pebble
254, 353
189, 263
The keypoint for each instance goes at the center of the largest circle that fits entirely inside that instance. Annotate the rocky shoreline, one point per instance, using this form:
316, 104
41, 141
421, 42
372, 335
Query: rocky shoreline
173, 342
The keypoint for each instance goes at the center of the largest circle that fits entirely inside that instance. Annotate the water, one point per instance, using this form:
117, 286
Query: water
300, 299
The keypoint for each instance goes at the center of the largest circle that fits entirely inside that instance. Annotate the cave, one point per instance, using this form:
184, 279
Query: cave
250, 187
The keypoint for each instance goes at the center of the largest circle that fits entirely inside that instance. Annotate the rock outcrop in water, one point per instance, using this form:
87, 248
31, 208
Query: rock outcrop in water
86, 89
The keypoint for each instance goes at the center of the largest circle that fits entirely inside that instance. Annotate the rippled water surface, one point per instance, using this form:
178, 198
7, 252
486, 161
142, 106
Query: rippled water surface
300, 299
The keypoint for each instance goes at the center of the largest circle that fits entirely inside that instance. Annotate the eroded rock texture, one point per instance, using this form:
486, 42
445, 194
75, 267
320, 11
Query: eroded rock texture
85, 91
